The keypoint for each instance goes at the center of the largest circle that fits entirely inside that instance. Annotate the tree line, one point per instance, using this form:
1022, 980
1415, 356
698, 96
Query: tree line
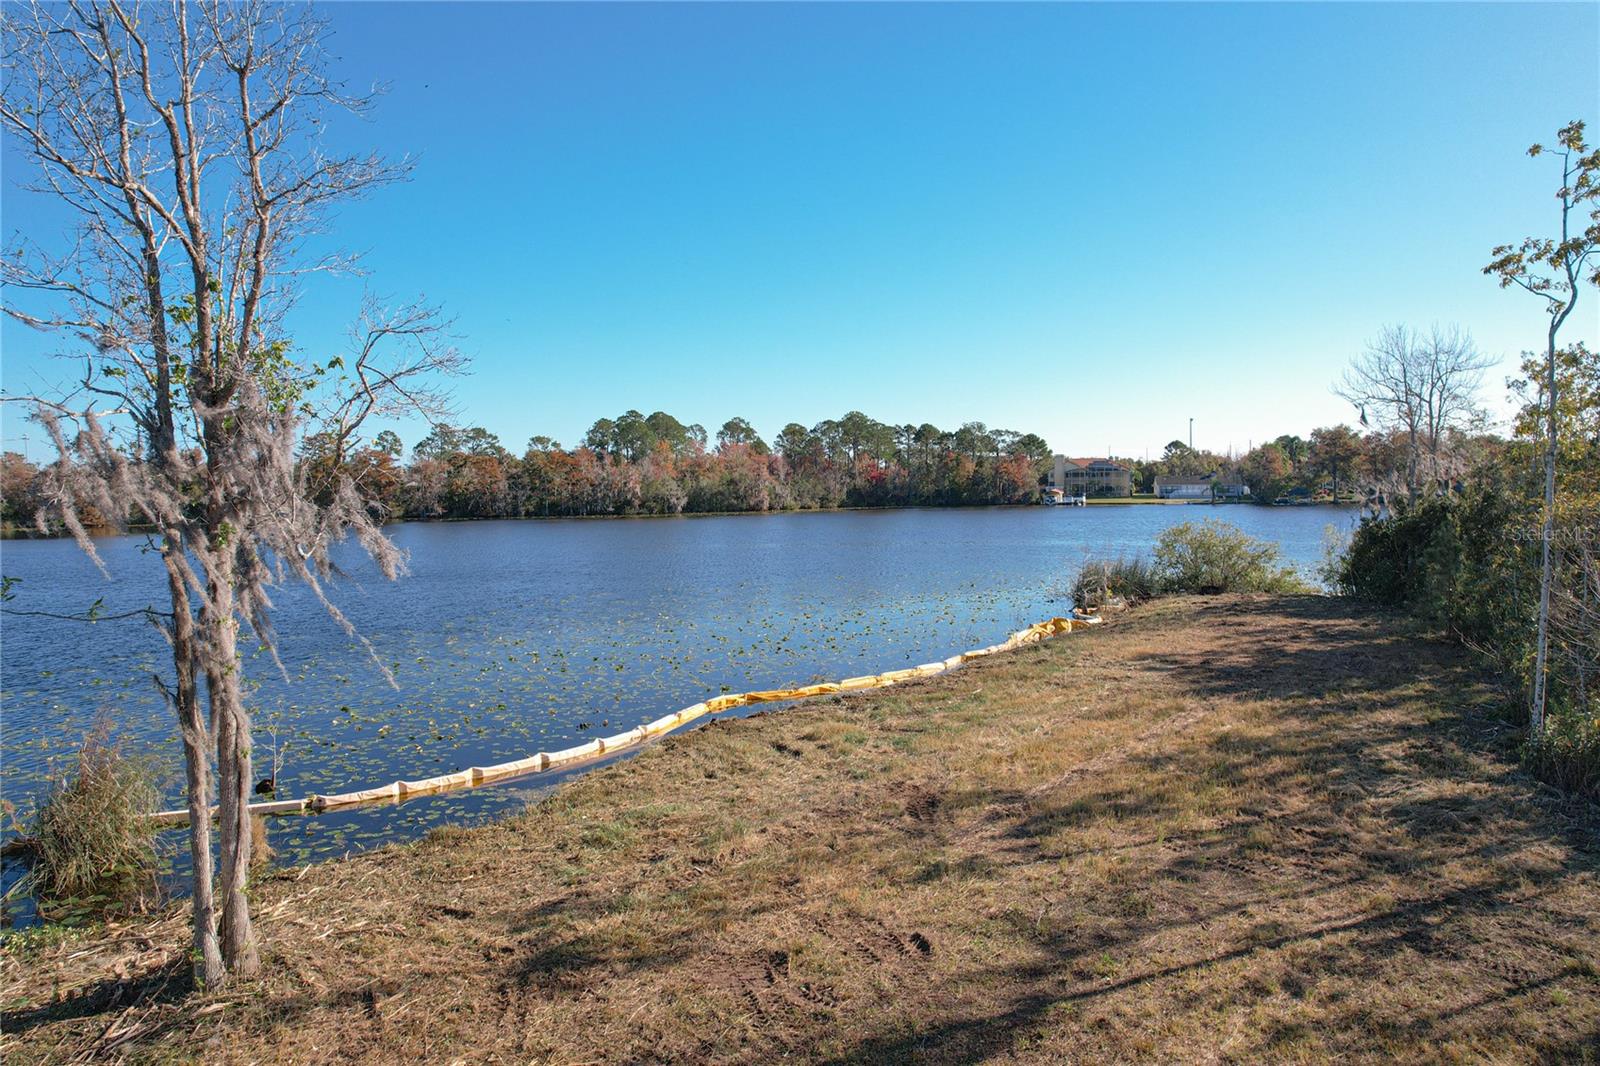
637, 464
654, 464
1332, 462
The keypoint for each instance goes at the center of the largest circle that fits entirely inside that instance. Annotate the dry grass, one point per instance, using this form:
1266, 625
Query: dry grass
1292, 834
93, 851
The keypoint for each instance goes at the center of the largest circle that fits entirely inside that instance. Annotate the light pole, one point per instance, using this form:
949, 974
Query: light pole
1191, 434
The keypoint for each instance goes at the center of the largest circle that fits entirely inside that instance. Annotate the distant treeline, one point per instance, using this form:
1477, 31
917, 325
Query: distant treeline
1332, 462
638, 464
655, 464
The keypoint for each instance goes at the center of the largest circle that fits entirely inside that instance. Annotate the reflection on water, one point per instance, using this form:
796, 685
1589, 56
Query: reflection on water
512, 637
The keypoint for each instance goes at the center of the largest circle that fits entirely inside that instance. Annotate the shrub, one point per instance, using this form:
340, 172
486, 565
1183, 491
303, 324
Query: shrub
1204, 557
1214, 556
93, 848
1452, 561
1099, 580
1567, 754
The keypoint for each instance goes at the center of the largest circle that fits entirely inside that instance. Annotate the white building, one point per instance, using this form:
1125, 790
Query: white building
1205, 487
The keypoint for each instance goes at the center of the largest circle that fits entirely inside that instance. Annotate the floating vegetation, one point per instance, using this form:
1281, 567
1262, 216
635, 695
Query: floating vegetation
514, 637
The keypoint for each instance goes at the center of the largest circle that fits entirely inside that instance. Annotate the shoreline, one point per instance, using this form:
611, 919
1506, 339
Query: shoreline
13, 533
583, 755
1293, 831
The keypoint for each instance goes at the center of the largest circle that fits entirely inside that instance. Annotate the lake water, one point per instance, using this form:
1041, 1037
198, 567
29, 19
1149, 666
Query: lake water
509, 638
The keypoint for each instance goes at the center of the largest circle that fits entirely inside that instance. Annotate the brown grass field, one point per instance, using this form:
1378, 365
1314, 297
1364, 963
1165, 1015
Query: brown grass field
1286, 830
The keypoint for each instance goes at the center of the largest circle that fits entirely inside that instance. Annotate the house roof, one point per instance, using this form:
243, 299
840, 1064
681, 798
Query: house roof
1204, 479
1091, 460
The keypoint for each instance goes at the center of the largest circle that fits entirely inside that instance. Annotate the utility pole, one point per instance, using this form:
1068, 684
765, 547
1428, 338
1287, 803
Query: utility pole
1191, 434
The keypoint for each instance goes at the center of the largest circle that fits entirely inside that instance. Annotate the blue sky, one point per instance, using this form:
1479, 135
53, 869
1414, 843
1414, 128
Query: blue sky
1087, 221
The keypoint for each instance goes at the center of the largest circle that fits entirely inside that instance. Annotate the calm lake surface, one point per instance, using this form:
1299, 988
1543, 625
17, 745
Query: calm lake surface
513, 637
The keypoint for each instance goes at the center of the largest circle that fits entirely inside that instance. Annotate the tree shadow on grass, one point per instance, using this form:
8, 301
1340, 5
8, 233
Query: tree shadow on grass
1404, 795
168, 983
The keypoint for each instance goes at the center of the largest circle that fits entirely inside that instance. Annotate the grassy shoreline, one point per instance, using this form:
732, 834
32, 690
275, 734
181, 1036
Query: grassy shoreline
1293, 831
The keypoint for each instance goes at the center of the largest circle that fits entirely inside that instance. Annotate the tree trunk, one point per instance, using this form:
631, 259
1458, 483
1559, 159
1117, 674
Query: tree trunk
1413, 466
1546, 535
231, 725
209, 971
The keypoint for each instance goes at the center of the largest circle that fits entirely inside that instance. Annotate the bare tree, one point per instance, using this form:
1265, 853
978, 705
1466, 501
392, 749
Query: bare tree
186, 140
1551, 268
1422, 386
1452, 372
1379, 382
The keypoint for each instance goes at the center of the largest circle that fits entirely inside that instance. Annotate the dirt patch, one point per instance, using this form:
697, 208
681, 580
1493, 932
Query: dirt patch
1293, 831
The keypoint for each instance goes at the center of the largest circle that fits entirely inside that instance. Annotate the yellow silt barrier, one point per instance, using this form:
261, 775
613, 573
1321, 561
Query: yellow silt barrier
543, 761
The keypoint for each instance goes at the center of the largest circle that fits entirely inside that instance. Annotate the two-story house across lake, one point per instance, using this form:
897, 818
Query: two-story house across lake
1091, 477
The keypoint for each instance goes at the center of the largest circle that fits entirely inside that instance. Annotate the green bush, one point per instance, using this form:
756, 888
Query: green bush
1193, 557
1214, 556
1458, 564
1384, 561
1454, 563
93, 849
1567, 754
